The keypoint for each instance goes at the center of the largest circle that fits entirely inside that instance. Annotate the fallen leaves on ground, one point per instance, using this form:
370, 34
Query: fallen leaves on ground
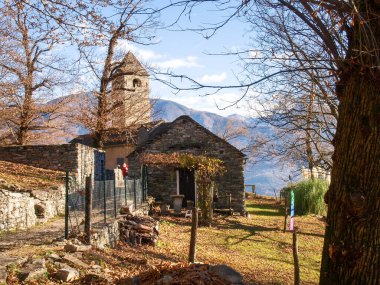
29, 177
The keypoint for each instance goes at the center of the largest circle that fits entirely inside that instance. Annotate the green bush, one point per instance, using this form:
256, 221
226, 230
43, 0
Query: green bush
309, 197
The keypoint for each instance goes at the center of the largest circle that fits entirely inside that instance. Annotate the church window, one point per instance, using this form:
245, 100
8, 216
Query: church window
136, 82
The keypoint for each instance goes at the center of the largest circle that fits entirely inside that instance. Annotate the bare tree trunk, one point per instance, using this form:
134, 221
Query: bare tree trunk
308, 140
351, 252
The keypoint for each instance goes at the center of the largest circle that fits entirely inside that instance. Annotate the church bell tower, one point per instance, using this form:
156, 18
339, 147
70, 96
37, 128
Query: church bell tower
131, 87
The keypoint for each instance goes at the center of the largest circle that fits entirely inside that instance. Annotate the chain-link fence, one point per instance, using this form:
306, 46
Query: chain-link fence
107, 197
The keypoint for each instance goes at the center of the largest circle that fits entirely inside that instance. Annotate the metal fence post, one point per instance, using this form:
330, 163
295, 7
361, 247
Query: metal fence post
141, 192
88, 208
105, 198
114, 196
134, 191
125, 190
67, 206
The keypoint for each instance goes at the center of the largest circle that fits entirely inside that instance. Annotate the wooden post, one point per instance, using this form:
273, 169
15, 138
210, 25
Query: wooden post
193, 238
296, 260
88, 209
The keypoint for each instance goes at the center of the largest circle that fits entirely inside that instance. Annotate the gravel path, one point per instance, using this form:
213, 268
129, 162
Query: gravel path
38, 235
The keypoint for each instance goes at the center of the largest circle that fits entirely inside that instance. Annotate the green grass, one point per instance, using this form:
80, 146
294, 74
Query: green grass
256, 246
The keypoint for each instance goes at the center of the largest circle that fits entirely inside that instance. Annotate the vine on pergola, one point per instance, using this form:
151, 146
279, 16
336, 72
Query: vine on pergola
207, 170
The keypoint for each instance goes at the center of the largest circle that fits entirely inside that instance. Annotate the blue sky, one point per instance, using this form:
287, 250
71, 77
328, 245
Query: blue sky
185, 52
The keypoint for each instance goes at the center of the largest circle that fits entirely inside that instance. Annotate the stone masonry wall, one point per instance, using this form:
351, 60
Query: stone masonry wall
187, 136
55, 157
21, 210
79, 159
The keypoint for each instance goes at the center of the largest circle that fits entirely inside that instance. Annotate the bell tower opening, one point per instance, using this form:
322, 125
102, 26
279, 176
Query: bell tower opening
136, 82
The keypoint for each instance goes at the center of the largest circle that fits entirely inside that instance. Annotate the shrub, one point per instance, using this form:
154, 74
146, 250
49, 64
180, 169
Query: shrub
309, 197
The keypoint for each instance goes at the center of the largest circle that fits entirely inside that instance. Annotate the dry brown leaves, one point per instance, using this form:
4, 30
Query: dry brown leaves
29, 177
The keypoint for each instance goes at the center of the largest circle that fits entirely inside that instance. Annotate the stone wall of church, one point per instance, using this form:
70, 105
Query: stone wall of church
185, 136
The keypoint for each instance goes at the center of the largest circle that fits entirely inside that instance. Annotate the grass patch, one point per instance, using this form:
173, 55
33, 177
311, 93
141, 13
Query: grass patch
255, 246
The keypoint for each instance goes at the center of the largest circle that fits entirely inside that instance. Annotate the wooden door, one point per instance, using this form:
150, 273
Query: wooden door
187, 185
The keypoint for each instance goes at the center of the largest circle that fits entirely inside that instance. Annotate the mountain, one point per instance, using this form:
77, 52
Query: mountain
268, 176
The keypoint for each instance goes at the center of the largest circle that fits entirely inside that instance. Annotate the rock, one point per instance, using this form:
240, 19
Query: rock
54, 257
126, 210
75, 261
227, 273
75, 241
166, 280
96, 268
33, 269
74, 248
3, 274
130, 281
67, 274
61, 265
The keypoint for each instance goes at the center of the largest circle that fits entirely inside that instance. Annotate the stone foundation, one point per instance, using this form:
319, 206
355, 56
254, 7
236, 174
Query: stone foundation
106, 235
21, 210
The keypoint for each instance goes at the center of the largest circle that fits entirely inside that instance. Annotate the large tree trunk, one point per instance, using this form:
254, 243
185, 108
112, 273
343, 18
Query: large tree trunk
351, 253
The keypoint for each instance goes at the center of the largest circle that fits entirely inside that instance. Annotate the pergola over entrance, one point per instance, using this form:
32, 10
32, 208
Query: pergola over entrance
206, 169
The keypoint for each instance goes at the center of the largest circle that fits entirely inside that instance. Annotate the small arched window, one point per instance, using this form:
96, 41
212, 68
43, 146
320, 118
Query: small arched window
136, 82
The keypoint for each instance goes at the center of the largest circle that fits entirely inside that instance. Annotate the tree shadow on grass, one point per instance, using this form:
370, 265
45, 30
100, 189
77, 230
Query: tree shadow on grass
266, 210
300, 232
251, 230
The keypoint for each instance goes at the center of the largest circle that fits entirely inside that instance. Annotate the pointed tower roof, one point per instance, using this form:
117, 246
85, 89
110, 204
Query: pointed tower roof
131, 65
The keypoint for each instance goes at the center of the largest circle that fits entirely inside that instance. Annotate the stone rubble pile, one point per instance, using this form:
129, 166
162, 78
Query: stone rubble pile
199, 274
138, 230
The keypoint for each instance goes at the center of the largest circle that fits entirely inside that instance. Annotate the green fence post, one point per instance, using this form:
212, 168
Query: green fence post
67, 206
114, 196
105, 198
125, 190
134, 191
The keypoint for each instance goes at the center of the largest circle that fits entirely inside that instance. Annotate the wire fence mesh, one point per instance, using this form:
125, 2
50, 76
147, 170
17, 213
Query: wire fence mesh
107, 199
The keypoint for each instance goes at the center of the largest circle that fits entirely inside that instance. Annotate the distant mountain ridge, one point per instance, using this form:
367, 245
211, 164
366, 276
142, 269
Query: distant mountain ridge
268, 176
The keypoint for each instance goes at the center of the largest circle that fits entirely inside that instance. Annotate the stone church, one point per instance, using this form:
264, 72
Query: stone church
138, 134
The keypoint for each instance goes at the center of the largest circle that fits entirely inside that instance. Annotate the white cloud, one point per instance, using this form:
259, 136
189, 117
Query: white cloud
189, 61
142, 54
213, 78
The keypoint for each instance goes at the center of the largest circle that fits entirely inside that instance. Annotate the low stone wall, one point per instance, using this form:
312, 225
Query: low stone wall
21, 210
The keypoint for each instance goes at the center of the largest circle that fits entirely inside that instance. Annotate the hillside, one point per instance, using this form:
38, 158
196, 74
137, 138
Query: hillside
28, 177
